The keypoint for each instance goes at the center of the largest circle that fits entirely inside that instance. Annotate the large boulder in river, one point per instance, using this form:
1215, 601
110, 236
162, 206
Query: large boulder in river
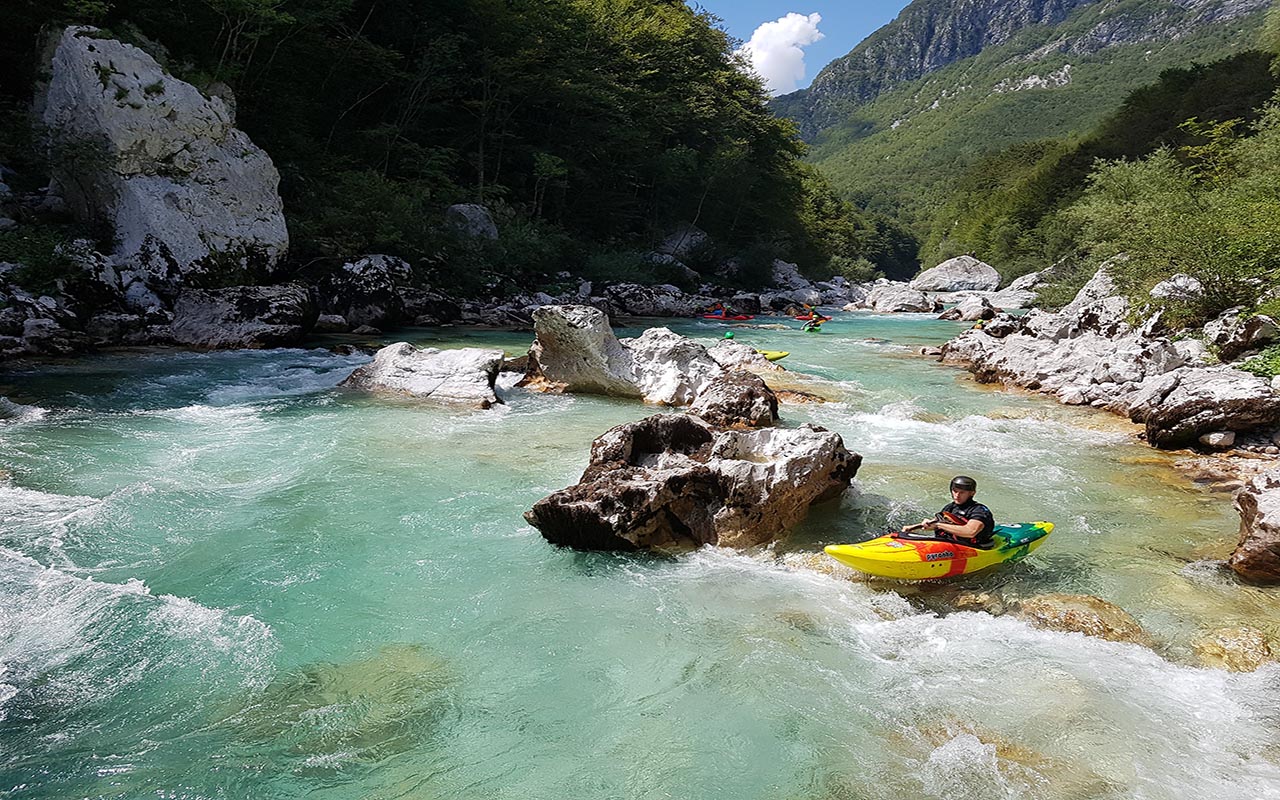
889, 298
672, 482
956, 275
243, 317
1179, 407
456, 377
182, 188
575, 351
367, 291
670, 369
734, 355
969, 309
1235, 649
737, 400
1257, 556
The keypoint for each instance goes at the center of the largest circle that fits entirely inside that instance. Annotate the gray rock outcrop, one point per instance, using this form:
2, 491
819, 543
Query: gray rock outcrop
1181, 406
736, 400
673, 482
243, 317
367, 291
462, 377
1257, 556
890, 298
182, 188
734, 355
575, 351
472, 221
969, 309
956, 275
1234, 334
1088, 353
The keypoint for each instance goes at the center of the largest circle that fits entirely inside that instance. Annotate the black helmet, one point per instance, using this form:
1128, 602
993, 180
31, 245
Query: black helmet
965, 483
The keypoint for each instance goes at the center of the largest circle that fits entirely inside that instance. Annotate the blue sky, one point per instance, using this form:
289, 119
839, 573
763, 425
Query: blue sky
842, 25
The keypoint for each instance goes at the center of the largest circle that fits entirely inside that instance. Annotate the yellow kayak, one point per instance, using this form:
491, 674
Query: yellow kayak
774, 355
919, 556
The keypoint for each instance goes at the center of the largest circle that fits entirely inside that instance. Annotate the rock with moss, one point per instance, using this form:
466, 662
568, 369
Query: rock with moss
130, 146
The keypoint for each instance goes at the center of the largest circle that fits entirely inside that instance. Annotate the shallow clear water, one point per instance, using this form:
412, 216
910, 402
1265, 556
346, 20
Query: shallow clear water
222, 577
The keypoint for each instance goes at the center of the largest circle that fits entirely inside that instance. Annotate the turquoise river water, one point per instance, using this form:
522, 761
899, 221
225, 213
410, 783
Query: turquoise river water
223, 577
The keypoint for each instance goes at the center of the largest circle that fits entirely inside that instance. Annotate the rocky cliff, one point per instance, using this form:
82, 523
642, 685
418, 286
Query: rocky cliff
931, 34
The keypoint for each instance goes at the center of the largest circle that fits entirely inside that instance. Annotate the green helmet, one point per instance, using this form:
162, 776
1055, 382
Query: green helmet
728, 334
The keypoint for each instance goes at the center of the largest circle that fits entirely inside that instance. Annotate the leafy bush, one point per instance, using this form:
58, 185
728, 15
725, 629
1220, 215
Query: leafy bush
854, 270
38, 250
1266, 364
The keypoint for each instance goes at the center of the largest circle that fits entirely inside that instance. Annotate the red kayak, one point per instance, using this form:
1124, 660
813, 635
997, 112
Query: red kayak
735, 317
807, 318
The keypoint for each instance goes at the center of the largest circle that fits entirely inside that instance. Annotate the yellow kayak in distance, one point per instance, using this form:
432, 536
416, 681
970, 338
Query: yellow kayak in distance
774, 355
915, 557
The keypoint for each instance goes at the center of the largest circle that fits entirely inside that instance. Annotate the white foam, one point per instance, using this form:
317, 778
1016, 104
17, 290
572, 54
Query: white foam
17, 412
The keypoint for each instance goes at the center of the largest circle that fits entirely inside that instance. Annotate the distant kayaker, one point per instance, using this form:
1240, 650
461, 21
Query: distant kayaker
963, 518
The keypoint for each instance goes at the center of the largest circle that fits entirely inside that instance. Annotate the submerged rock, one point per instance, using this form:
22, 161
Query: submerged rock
673, 482
1257, 556
1242, 649
1082, 613
462, 377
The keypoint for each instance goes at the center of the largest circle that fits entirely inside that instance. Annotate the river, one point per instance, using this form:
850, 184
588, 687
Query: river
223, 577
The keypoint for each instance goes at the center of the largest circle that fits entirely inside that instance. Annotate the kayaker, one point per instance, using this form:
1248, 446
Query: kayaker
973, 520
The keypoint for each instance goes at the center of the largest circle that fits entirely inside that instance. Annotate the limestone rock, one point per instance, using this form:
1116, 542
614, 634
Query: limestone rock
459, 377
332, 323
1234, 336
576, 351
1085, 614
1219, 440
969, 309
1257, 556
671, 369
663, 300
472, 221
367, 291
243, 316
787, 276
897, 297
1180, 406
1242, 649
958, 274
183, 189
671, 482
734, 355
683, 242
737, 400
1180, 287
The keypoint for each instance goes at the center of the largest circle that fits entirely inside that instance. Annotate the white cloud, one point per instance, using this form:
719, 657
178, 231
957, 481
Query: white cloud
775, 50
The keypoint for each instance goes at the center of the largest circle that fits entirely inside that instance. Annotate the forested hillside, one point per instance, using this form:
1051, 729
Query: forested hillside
1057, 72
590, 126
